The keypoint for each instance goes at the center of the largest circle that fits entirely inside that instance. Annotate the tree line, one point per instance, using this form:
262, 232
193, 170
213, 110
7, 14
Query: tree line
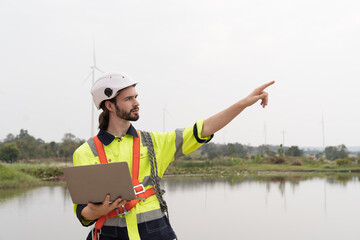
24, 146
212, 150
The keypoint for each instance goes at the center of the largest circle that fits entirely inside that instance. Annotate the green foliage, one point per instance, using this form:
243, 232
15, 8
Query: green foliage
212, 154
10, 178
228, 150
277, 160
319, 155
231, 151
332, 152
9, 152
39, 171
269, 152
255, 159
294, 151
280, 151
28, 146
343, 161
69, 145
258, 158
25, 146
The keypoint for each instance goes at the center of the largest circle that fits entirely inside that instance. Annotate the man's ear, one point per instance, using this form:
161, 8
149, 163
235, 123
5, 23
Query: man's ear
110, 106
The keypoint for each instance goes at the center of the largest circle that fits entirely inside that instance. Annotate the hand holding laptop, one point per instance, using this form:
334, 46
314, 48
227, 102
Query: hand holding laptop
94, 211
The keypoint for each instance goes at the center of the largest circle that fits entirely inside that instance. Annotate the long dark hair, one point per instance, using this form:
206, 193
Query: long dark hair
104, 116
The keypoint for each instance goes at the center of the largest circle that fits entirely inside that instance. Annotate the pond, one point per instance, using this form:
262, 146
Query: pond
266, 207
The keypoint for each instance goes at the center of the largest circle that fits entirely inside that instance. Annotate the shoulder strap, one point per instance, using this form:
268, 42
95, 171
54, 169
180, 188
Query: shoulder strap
136, 158
136, 155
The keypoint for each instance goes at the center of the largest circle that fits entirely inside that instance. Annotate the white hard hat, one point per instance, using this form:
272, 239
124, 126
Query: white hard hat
107, 86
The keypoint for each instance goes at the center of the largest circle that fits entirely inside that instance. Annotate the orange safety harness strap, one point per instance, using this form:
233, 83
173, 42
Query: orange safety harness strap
138, 187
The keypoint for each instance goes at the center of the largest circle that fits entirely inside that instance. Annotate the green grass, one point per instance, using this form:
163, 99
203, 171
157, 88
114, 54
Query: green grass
42, 171
23, 175
10, 178
238, 166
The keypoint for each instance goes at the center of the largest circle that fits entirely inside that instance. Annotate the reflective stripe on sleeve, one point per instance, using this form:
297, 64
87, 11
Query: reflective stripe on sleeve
178, 143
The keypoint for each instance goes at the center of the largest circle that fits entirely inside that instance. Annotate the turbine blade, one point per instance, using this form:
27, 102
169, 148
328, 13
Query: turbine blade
85, 80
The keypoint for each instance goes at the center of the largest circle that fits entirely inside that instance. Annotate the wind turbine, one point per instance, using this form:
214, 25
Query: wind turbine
92, 73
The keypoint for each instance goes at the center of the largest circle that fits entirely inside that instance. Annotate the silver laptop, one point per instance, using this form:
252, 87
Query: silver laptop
91, 183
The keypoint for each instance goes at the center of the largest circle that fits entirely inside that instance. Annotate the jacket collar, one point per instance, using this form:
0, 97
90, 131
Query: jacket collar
106, 138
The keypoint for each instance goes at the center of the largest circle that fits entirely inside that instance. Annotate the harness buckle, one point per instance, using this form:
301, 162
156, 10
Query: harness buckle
124, 211
141, 191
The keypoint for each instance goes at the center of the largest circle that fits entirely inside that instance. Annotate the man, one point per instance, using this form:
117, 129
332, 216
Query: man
116, 95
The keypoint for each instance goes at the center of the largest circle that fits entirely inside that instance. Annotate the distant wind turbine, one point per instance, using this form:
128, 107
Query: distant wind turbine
92, 73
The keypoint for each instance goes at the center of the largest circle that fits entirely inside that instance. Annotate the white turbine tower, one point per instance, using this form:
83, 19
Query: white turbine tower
92, 73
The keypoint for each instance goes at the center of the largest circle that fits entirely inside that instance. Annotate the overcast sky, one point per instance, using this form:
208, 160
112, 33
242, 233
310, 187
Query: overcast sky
192, 58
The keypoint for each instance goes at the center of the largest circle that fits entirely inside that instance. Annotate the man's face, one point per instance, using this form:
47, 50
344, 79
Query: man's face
126, 105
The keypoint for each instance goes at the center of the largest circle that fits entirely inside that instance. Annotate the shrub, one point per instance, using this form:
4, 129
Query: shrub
9, 152
277, 160
343, 161
296, 163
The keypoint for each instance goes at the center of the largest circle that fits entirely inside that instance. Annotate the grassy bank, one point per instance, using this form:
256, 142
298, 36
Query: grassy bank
34, 174
27, 175
41, 171
235, 167
10, 178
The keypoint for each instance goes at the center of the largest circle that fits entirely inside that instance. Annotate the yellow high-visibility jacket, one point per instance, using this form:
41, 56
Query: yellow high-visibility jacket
146, 220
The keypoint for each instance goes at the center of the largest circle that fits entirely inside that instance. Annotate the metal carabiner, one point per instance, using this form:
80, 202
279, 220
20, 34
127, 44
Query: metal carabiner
124, 211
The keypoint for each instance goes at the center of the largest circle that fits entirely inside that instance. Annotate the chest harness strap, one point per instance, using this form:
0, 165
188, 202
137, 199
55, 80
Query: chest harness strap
138, 187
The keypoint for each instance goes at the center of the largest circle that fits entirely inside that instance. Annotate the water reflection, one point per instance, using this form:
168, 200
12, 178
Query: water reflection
293, 180
300, 206
6, 194
287, 206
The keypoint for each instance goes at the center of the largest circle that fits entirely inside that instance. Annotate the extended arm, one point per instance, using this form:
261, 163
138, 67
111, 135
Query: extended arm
221, 119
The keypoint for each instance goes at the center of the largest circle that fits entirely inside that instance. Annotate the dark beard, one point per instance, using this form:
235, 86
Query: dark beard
126, 115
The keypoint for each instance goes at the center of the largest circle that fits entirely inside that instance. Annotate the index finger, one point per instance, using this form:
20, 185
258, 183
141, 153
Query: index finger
262, 87
107, 199
118, 200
